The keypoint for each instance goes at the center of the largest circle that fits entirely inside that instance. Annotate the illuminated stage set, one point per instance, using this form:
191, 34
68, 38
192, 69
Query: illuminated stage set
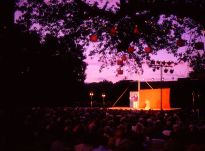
154, 99
148, 99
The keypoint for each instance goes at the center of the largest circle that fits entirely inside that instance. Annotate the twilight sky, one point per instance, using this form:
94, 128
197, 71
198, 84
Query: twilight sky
109, 73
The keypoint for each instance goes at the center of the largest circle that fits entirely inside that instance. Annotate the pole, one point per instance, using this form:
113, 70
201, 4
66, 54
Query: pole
91, 101
139, 84
161, 76
120, 96
103, 97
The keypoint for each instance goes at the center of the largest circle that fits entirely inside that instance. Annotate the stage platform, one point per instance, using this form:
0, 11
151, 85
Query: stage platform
129, 108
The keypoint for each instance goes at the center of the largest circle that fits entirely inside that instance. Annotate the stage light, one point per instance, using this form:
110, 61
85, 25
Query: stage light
154, 69
171, 71
103, 97
169, 63
165, 70
152, 62
91, 98
91, 93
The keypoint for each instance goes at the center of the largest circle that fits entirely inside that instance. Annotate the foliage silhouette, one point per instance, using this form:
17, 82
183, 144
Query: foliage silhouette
133, 23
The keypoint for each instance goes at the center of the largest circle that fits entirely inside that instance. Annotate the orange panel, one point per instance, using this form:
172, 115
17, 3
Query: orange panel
151, 98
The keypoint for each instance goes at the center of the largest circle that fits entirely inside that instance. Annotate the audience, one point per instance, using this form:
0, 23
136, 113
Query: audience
100, 129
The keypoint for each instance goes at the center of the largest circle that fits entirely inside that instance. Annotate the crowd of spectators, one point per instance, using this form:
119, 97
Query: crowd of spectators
101, 129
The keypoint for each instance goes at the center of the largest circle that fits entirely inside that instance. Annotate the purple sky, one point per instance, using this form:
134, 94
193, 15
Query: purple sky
109, 73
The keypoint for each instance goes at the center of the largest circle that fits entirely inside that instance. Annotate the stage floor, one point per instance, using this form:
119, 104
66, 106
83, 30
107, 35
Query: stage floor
129, 108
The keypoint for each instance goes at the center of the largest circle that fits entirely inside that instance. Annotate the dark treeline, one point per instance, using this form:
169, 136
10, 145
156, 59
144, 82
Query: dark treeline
34, 72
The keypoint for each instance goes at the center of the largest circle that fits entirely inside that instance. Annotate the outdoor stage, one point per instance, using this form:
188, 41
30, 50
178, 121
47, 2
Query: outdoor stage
129, 108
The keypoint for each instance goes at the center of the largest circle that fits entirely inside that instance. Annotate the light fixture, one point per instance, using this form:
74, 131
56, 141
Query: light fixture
91, 98
152, 62
103, 97
171, 71
169, 63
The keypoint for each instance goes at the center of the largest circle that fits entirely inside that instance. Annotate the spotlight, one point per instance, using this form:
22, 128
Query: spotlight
158, 62
169, 63
152, 62
165, 70
163, 62
154, 69
171, 71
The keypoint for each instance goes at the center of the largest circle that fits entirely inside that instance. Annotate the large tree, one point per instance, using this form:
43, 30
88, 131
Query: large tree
45, 71
127, 34
41, 73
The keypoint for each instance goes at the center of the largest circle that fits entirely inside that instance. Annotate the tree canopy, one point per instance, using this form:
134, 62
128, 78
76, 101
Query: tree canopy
128, 33
40, 73
36, 71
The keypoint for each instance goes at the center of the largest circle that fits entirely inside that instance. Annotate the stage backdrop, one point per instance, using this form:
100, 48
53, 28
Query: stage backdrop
151, 99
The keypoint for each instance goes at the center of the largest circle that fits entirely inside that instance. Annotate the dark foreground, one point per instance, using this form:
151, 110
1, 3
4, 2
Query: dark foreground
98, 129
